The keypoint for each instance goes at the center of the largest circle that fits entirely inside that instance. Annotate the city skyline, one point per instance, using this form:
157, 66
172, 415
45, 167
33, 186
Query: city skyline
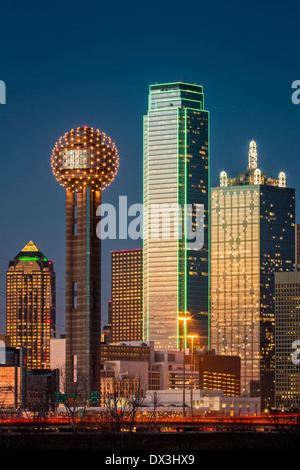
160, 316
241, 80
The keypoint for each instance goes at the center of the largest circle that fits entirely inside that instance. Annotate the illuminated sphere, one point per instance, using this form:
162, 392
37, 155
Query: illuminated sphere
85, 157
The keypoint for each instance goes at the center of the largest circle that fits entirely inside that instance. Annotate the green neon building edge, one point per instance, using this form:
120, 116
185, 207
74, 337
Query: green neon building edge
176, 83
208, 216
185, 224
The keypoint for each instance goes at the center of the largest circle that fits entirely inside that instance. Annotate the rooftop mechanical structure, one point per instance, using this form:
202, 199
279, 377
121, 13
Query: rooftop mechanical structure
253, 174
84, 161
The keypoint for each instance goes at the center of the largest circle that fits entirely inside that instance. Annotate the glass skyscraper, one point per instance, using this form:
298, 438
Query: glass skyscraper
176, 177
252, 237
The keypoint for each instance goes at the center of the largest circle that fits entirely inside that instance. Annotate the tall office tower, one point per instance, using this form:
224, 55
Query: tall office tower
127, 295
176, 180
297, 243
30, 305
252, 236
287, 336
84, 161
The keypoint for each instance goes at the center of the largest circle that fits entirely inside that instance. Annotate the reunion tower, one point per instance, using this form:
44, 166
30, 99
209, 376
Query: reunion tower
84, 161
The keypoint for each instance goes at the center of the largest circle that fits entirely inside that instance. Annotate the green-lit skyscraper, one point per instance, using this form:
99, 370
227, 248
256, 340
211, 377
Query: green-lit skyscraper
176, 177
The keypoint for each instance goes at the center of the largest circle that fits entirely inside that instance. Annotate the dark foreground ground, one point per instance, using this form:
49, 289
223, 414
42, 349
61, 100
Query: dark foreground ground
175, 441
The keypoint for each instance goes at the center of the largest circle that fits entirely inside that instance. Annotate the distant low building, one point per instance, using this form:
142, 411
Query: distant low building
201, 402
127, 351
41, 386
134, 370
172, 368
12, 377
117, 387
218, 372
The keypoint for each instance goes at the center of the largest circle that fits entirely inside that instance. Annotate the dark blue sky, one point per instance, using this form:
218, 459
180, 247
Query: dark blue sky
72, 63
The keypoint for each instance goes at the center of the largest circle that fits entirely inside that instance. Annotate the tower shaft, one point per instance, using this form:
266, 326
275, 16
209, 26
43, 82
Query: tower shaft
83, 287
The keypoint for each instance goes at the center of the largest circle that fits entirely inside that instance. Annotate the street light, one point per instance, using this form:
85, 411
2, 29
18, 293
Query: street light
184, 319
192, 341
192, 368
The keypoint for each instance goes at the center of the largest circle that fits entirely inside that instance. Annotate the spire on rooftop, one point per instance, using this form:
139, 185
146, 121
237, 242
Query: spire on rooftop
252, 155
30, 247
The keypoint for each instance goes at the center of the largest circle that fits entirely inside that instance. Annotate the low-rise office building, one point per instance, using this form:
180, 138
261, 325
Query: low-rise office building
202, 402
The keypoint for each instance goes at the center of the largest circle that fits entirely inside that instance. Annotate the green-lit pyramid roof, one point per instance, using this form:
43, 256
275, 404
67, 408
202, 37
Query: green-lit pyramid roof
30, 252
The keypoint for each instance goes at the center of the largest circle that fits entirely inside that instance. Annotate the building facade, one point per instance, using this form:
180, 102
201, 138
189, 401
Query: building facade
287, 339
219, 372
126, 295
12, 378
106, 331
202, 402
41, 386
176, 209
119, 390
173, 369
252, 237
297, 243
30, 305
128, 351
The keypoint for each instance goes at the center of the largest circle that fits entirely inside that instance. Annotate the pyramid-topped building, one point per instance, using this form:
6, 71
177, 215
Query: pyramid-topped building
30, 305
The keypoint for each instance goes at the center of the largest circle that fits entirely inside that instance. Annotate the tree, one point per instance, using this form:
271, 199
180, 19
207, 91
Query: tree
123, 399
122, 396
287, 423
74, 396
35, 410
